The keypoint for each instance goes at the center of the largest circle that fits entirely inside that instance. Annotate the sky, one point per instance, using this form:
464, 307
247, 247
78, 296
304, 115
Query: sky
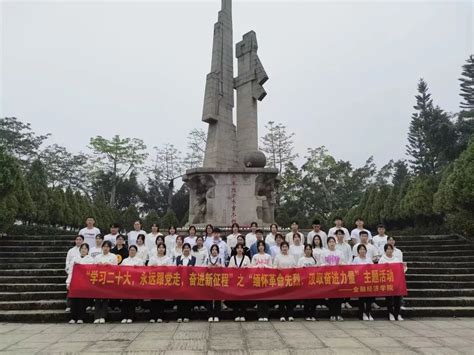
341, 74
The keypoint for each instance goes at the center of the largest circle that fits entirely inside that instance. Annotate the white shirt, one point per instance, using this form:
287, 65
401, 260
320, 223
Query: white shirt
346, 251
214, 261
132, 236
109, 259
371, 250
78, 260
111, 238
190, 240
223, 250
200, 255
142, 252
306, 261
150, 241
170, 241
89, 235
358, 261
262, 260
94, 251
160, 261
332, 257
232, 240
284, 261
379, 242
174, 253
270, 240
186, 260
332, 233
237, 261
296, 251
71, 254
274, 251
386, 260
135, 261
289, 238
318, 255
322, 234
250, 238
397, 253
355, 234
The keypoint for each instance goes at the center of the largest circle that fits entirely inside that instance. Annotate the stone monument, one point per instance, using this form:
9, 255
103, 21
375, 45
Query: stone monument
233, 185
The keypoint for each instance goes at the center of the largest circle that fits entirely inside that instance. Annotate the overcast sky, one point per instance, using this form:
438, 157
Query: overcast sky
342, 74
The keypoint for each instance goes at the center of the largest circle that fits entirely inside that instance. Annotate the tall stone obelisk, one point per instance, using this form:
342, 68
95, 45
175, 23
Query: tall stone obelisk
233, 185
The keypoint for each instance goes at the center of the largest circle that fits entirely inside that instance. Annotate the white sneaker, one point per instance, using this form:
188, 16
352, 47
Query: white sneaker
318, 306
391, 316
400, 317
179, 320
152, 321
364, 317
324, 306
80, 321
88, 308
276, 306
175, 307
298, 306
196, 308
97, 321
102, 320
216, 319
123, 321
265, 319
159, 320
129, 321
202, 308
185, 320
339, 318
313, 319
343, 305
242, 319
332, 319
72, 321
291, 319
282, 319
237, 319
370, 317
403, 308
68, 309
375, 305
348, 305
210, 319
261, 320
308, 319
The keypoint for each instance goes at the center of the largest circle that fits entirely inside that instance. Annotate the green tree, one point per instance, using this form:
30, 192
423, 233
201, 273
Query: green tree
9, 180
151, 218
38, 187
56, 207
418, 201
196, 145
169, 219
467, 84
278, 146
128, 217
119, 156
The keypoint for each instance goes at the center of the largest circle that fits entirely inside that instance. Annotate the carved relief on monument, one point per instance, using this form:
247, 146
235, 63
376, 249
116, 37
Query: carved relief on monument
202, 186
265, 185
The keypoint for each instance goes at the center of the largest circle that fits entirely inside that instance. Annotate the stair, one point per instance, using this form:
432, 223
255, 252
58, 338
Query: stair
440, 279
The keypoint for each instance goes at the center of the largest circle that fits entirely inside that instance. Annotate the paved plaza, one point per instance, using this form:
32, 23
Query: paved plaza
422, 336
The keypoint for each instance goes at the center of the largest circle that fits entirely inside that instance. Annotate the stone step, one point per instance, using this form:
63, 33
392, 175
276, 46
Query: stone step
441, 284
438, 258
427, 237
32, 305
36, 265
33, 272
438, 264
19, 243
443, 252
407, 243
25, 296
40, 248
23, 260
433, 247
440, 292
32, 254
38, 237
32, 279
434, 271
28, 287
436, 302
444, 277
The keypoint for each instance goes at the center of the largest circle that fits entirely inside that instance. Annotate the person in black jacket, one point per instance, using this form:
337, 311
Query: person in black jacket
241, 240
186, 259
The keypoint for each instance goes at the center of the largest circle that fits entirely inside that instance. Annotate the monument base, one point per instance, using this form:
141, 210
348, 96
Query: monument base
224, 196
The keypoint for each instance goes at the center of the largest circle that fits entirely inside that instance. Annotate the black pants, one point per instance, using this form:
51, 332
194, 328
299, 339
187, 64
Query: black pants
78, 308
287, 308
213, 308
184, 309
262, 309
157, 309
365, 306
240, 309
101, 308
393, 305
334, 307
310, 308
128, 309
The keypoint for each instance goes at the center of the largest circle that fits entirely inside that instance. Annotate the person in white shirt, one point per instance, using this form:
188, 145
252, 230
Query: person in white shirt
97, 249
239, 260
208, 231
261, 259
185, 260
317, 231
159, 240
89, 232
294, 230
150, 240
73, 252
297, 248
191, 238
142, 250
275, 250
178, 249
346, 251
251, 237
170, 239
372, 251
396, 252
217, 240
318, 249
213, 261
231, 239
286, 261
132, 235
128, 305
355, 233
270, 238
380, 239
114, 232
78, 305
393, 302
199, 251
106, 258
332, 256
308, 260
157, 309
339, 225
365, 303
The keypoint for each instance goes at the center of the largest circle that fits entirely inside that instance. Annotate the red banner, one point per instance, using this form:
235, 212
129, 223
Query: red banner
202, 283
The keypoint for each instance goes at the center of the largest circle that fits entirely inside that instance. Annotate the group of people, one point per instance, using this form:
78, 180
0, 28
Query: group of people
275, 250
